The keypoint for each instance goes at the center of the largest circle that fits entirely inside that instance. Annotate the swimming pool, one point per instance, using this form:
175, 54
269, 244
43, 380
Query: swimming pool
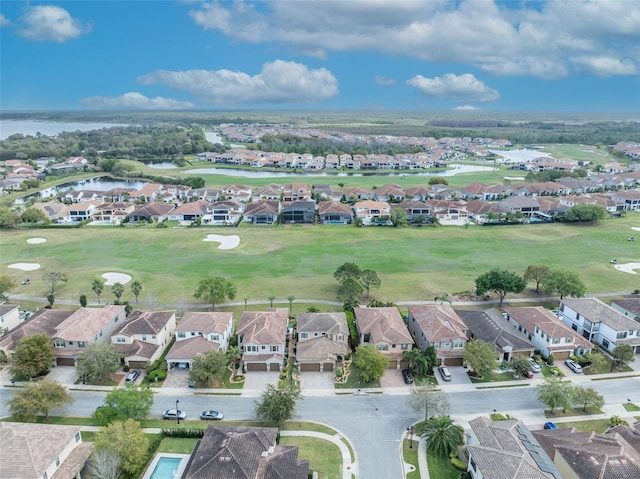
167, 466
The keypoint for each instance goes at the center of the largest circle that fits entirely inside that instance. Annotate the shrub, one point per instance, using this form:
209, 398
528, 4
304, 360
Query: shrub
157, 375
550, 360
339, 373
458, 464
125, 368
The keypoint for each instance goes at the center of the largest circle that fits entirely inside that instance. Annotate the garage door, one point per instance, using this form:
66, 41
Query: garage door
561, 355
137, 364
256, 367
327, 367
453, 361
393, 364
310, 367
274, 367
65, 362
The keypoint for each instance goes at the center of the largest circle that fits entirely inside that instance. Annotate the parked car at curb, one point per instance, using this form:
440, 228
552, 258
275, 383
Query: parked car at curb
211, 416
174, 414
132, 376
407, 376
575, 367
445, 373
535, 367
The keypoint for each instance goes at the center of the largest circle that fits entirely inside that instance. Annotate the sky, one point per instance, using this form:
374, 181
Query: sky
517, 55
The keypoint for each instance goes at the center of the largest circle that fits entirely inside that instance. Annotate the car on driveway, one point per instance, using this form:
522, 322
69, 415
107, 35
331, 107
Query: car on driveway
528, 374
132, 376
535, 367
445, 373
407, 376
174, 414
575, 367
211, 416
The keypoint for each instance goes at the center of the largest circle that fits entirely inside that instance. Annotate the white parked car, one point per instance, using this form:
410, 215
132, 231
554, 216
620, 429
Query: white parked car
535, 367
575, 367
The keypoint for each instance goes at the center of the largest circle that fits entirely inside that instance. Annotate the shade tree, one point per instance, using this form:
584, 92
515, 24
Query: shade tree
215, 290
38, 398
501, 282
371, 362
98, 360
32, 356
277, 405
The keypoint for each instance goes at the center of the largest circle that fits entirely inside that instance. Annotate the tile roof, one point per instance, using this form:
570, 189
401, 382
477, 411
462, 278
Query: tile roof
383, 324
145, 322
205, 322
319, 349
331, 323
596, 311
44, 321
439, 322
263, 327
142, 349
325, 207
190, 348
85, 323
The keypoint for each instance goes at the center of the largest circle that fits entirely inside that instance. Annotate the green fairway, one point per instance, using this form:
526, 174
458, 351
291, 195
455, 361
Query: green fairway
413, 263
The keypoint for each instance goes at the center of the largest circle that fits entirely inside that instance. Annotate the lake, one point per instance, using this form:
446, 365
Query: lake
48, 128
94, 184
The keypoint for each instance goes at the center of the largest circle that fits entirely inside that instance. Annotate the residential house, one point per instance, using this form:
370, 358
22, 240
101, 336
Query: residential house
244, 452
113, 212
224, 213
272, 191
630, 199
588, 455
547, 333
323, 340
296, 192
9, 317
240, 193
420, 193
628, 305
189, 213
42, 451
491, 327
354, 194
373, 212
482, 211
44, 321
449, 212
299, 212
506, 450
153, 211
148, 192
389, 192
385, 329
334, 212
81, 211
83, 327
416, 211
600, 323
262, 339
262, 212
526, 205
143, 336
441, 327
198, 333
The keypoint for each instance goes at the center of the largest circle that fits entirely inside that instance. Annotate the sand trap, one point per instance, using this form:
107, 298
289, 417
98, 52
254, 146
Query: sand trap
226, 242
521, 178
25, 266
635, 228
36, 240
628, 267
113, 278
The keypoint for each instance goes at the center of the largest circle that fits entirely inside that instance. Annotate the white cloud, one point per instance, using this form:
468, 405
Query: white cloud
465, 107
278, 82
49, 23
135, 101
604, 66
4, 21
514, 38
461, 87
384, 81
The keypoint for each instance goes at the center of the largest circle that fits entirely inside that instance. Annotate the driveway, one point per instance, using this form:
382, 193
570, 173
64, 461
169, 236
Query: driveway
392, 378
311, 380
63, 374
177, 378
459, 376
256, 381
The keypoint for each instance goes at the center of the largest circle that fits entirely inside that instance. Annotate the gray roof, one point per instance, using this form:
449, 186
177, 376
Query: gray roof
490, 326
145, 322
630, 303
331, 323
596, 311
44, 321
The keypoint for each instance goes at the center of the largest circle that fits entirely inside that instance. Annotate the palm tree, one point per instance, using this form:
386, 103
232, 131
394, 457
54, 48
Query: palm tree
234, 354
97, 286
136, 288
245, 298
443, 298
291, 299
442, 435
271, 298
118, 290
413, 357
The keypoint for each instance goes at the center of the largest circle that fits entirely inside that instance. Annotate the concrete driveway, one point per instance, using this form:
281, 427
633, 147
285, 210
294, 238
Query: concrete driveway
177, 378
63, 374
392, 378
311, 380
459, 376
256, 381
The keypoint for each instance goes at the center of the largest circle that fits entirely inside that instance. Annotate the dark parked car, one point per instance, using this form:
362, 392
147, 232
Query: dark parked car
211, 416
528, 374
132, 376
174, 414
407, 376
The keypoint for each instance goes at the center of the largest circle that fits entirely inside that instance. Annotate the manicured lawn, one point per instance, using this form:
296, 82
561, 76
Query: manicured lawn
308, 426
605, 368
548, 371
355, 380
300, 261
411, 456
597, 425
323, 456
571, 412
177, 445
496, 377
60, 420
631, 407
440, 467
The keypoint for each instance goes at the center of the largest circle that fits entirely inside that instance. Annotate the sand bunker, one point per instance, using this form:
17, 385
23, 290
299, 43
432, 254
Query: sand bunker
635, 228
113, 278
36, 240
25, 266
628, 267
521, 178
226, 242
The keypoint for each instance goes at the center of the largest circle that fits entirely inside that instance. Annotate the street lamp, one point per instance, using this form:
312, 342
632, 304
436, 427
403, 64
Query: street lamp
178, 411
410, 434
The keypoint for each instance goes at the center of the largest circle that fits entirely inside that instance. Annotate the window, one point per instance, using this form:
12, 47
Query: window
81, 344
574, 326
58, 343
405, 347
181, 334
605, 343
193, 333
537, 330
383, 347
44, 475
458, 344
153, 337
77, 437
393, 346
57, 461
121, 339
340, 336
252, 349
264, 347
144, 337
304, 335
446, 345
274, 349
436, 345
621, 335
315, 334
568, 340
215, 337
556, 340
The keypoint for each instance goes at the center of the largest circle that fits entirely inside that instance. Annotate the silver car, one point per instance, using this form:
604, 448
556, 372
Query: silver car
575, 367
535, 367
174, 414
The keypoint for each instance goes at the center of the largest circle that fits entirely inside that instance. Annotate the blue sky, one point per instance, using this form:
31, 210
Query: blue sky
555, 55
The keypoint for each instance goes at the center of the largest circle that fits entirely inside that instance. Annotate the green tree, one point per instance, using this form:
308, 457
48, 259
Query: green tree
399, 217
209, 368
33, 215
347, 271
500, 282
277, 405
53, 278
97, 361
432, 358
9, 218
414, 359
136, 288
6, 285
585, 213
443, 298
520, 365
428, 399
97, 286
622, 354
120, 404
537, 273
565, 283
215, 290
234, 354
442, 435
38, 398
349, 291
587, 397
83, 300
480, 356
32, 356
271, 298
553, 392
369, 279
127, 441
51, 298
371, 362
291, 298
597, 360
118, 290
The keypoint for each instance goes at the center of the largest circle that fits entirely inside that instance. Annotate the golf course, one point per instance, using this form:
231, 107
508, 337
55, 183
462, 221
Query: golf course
413, 263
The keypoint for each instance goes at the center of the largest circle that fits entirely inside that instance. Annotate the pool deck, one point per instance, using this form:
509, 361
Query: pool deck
154, 462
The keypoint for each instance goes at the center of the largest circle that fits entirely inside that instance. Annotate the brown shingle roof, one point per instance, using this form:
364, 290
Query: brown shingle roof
320, 349
331, 323
596, 311
44, 321
190, 348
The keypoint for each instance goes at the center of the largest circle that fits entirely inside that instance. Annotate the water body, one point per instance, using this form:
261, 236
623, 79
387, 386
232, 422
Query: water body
94, 184
456, 169
213, 137
519, 156
160, 165
47, 128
